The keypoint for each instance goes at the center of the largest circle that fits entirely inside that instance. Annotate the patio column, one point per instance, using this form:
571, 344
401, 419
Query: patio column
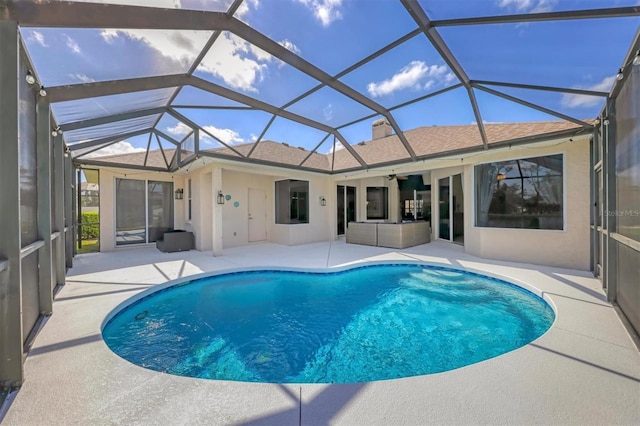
11, 371
58, 225
216, 227
46, 280
609, 169
69, 236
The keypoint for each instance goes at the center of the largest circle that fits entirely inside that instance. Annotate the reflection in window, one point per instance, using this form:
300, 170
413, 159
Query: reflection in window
525, 193
377, 202
292, 201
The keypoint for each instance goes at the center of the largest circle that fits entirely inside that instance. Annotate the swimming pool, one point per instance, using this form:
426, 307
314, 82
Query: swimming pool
363, 324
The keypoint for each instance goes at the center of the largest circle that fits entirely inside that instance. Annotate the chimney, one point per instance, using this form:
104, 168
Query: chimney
381, 129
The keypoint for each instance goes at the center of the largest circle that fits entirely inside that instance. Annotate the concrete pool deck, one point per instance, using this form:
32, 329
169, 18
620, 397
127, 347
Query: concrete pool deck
584, 370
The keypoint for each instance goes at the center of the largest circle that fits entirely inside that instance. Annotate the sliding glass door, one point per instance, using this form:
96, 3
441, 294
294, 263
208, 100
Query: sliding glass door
159, 209
451, 209
144, 210
346, 207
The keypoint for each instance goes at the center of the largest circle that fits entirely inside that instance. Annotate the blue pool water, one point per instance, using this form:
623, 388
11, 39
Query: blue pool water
369, 323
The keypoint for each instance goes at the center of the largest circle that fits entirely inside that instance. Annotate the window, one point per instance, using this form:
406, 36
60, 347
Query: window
189, 200
292, 201
377, 202
525, 193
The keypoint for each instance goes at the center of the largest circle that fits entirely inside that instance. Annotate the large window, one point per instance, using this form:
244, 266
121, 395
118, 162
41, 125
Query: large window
377, 202
292, 201
525, 193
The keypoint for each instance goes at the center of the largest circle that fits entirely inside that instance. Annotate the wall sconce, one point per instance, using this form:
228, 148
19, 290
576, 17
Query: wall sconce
179, 194
501, 176
42, 92
56, 131
220, 198
31, 79
323, 201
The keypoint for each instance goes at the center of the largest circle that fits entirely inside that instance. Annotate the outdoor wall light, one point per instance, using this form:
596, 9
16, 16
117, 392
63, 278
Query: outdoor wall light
179, 194
57, 131
42, 91
220, 198
605, 122
620, 74
636, 60
31, 79
323, 201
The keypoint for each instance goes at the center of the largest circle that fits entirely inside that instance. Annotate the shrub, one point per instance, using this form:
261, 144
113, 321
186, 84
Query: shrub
90, 226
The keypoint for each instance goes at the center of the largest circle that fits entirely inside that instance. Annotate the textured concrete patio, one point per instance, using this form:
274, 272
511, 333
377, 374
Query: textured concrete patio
584, 370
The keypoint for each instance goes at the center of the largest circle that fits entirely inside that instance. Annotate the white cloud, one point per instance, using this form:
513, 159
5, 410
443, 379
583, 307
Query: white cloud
571, 100
328, 112
37, 37
238, 63
73, 45
227, 136
123, 147
326, 11
414, 76
528, 6
179, 47
180, 129
109, 35
82, 77
290, 46
337, 147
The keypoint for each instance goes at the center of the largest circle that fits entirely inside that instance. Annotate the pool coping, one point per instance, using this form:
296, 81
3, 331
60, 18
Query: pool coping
583, 370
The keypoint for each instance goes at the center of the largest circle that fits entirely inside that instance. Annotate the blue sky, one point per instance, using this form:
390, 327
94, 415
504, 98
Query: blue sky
332, 35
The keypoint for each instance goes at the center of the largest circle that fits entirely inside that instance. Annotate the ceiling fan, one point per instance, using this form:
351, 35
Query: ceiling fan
394, 176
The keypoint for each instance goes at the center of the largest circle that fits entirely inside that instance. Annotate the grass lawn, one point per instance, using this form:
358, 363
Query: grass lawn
89, 246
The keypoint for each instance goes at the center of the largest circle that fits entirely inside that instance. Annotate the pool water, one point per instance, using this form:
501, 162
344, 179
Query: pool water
368, 323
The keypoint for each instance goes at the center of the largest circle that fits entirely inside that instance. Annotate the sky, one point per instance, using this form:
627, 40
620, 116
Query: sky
333, 35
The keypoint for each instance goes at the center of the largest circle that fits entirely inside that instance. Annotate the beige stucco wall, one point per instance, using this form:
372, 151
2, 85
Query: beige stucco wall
108, 205
236, 219
321, 224
235, 181
568, 248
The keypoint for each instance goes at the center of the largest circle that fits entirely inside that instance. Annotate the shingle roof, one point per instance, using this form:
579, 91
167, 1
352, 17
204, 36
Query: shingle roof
425, 141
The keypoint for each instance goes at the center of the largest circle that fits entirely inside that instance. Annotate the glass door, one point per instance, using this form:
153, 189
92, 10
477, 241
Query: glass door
457, 209
144, 210
451, 209
159, 209
444, 229
88, 211
346, 207
131, 218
